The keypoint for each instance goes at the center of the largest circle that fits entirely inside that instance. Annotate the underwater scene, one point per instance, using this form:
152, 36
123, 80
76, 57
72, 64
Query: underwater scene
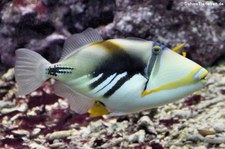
112, 74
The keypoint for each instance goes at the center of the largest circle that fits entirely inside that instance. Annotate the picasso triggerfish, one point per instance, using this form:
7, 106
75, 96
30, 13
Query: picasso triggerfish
111, 76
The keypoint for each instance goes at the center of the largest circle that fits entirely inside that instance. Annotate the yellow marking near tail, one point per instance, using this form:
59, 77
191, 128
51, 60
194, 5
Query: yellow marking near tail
178, 47
98, 109
184, 81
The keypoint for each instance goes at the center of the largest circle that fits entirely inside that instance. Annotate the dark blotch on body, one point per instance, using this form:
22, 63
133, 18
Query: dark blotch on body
120, 62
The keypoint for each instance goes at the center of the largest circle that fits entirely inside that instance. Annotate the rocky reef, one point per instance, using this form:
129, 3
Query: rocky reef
43, 25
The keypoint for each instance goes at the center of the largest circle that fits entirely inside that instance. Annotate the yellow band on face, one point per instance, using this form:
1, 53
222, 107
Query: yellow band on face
184, 81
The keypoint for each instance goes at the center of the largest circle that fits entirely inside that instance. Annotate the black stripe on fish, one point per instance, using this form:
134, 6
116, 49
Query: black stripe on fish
99, 81
118, 84
119, 62
107, 83
57, 69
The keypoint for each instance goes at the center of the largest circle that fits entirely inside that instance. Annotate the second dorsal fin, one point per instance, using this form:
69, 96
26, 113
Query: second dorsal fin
78, 40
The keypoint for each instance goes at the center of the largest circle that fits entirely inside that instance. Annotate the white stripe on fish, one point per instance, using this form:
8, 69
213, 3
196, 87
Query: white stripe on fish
86, 84
99, 92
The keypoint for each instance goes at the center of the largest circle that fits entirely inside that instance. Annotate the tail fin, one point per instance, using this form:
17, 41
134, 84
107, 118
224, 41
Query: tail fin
30, 70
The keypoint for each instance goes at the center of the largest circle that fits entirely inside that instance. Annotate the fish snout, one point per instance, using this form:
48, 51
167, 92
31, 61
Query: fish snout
201, 74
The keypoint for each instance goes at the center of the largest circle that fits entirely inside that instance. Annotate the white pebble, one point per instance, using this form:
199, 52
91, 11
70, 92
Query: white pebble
21, 132
219, 127
59, 134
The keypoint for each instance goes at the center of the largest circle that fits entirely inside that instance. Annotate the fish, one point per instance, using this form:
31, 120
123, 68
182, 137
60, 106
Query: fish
114, 76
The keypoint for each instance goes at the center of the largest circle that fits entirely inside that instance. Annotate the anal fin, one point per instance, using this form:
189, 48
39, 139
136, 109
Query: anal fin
98, 109
78, 103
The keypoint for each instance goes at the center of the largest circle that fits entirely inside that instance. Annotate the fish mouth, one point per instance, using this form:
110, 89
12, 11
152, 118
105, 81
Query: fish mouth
201, 75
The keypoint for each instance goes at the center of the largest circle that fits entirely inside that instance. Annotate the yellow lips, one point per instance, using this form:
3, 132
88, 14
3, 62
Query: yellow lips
203, 74
182, 82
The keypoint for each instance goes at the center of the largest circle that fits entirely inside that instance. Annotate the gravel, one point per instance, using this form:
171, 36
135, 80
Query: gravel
44, 120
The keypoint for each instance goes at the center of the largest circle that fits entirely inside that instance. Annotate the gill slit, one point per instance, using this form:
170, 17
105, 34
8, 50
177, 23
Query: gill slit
152, 67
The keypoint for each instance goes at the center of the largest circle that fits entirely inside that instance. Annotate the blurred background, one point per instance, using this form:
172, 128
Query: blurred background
43, 25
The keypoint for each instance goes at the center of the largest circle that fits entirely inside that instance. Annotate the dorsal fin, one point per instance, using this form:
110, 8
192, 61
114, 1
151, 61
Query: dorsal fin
78, 103
80, 39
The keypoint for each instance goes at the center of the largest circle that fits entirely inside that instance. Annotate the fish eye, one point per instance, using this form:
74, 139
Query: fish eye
156, 49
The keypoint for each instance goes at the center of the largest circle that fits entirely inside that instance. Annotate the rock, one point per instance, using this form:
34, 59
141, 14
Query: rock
184, 113
146, 124
59, 134
39, 146
215, 139
136, 19
57, 145
21, 108
35, 131
205, 132
113, 142
9, 75
210, 102
220, 69
30, 23
201, 147
219, 126
138, 136
21, 133
6, 104
144, 121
